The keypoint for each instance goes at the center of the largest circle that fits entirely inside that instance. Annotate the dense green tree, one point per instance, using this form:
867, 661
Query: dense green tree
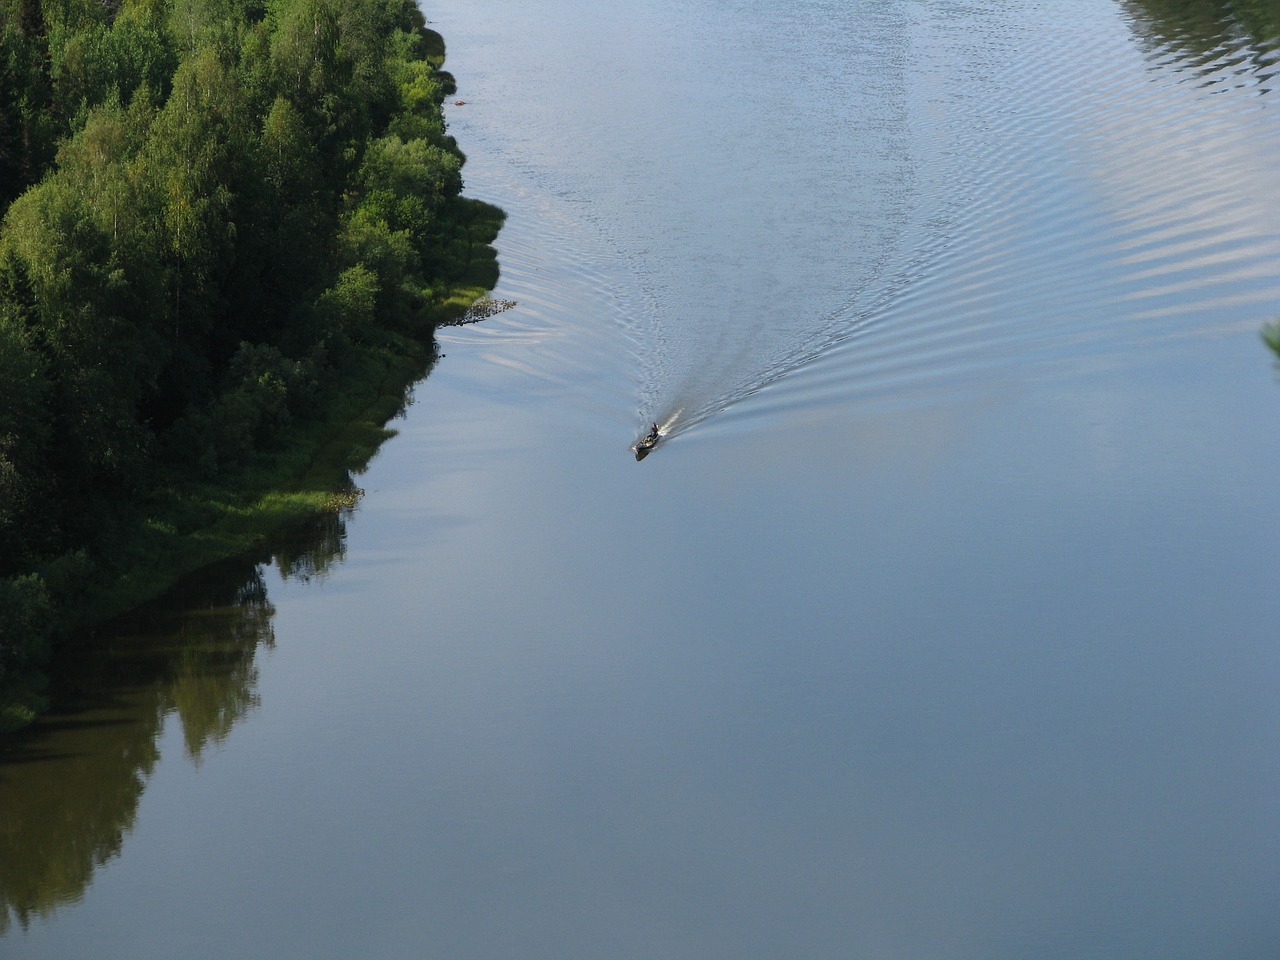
98, 354
211, 209
193, 153
189, 213
295, 219
350, 306
27, 624
106, 61
24, 435
26, 131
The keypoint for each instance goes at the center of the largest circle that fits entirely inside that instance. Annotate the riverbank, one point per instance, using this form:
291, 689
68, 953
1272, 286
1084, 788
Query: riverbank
221, 269
313, 471
183, 528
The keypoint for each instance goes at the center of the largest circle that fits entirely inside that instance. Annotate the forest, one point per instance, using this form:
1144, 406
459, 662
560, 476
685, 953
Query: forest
222, 221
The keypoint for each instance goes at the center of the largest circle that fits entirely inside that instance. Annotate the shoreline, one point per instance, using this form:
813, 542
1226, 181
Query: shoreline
186, 529
186, 520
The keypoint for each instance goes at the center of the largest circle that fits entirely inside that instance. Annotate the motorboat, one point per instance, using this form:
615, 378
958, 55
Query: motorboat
647, 443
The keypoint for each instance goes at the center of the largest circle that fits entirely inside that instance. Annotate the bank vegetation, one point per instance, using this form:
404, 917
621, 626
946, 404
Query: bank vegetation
229, 230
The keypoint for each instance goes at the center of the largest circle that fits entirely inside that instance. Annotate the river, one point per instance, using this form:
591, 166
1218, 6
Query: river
942, 624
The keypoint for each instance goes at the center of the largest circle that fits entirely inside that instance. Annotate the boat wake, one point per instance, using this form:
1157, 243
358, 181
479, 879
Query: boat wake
973, 234
853, 222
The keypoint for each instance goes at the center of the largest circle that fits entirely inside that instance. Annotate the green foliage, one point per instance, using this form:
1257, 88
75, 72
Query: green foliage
26, 613
262, 394
26, 640
1271, 336
26, 128
103, 61
368, 240
99, 355
24, 436
350, 305
214, 211
412, 180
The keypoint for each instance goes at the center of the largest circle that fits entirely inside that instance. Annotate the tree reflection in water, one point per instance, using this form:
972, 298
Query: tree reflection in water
1206, 29
70, 787
1210, 38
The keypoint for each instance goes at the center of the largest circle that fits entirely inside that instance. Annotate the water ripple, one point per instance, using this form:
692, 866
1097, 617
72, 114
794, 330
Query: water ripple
817, 200
1119, 209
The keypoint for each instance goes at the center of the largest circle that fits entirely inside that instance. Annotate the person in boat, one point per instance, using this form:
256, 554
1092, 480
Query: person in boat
652, 436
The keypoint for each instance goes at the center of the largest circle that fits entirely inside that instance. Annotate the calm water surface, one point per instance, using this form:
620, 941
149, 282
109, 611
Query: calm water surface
944, 625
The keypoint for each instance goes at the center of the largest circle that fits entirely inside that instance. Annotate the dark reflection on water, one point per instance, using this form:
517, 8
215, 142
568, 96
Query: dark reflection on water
1204, 27
1218, 41
70, 788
